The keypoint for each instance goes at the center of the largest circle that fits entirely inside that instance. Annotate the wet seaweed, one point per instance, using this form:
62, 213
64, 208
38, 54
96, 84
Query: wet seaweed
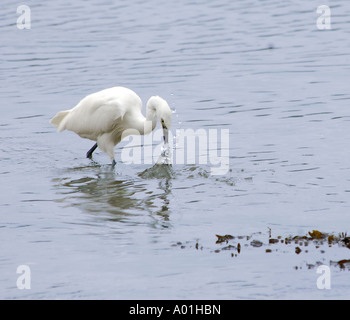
295, 244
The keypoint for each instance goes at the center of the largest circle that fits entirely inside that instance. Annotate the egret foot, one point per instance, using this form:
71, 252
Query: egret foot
113, 163
89, 153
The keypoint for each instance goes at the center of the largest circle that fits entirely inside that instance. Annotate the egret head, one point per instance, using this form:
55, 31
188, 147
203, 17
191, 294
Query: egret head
161, 110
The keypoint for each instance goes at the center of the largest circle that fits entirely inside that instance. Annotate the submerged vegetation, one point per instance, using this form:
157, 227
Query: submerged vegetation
315, 242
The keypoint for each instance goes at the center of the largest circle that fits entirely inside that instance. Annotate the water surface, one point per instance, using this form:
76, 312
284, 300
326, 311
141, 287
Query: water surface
263, 70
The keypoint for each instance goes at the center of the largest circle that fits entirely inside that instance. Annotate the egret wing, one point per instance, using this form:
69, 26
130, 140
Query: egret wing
91, 118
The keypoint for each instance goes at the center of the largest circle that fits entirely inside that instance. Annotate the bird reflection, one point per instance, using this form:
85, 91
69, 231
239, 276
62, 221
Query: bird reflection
99, 189
164, 174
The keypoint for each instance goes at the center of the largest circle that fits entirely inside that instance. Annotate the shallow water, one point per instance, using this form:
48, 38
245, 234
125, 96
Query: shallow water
263, 70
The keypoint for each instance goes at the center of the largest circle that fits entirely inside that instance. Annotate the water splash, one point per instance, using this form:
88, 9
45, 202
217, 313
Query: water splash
165, 155
158, 171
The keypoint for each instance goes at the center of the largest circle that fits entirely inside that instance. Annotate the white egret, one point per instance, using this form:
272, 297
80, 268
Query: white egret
106, 117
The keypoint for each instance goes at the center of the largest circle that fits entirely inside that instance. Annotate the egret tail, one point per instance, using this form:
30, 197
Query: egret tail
58, 118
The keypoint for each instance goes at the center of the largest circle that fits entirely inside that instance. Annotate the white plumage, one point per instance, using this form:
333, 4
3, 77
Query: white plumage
109, 115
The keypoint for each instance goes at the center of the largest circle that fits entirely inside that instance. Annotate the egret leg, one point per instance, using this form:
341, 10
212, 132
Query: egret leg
89, 153
113, 163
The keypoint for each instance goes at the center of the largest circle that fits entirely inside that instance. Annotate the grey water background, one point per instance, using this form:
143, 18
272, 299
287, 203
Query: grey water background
261, 69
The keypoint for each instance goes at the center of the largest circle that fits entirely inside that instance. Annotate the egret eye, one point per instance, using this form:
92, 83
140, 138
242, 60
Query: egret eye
163, 124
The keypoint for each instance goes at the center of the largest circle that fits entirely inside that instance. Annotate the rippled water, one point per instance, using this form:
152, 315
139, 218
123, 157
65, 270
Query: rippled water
263, 70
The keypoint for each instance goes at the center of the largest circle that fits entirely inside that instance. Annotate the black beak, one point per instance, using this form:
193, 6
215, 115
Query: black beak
165, 134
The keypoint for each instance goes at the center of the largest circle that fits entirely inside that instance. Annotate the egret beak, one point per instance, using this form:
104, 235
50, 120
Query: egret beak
165, 134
